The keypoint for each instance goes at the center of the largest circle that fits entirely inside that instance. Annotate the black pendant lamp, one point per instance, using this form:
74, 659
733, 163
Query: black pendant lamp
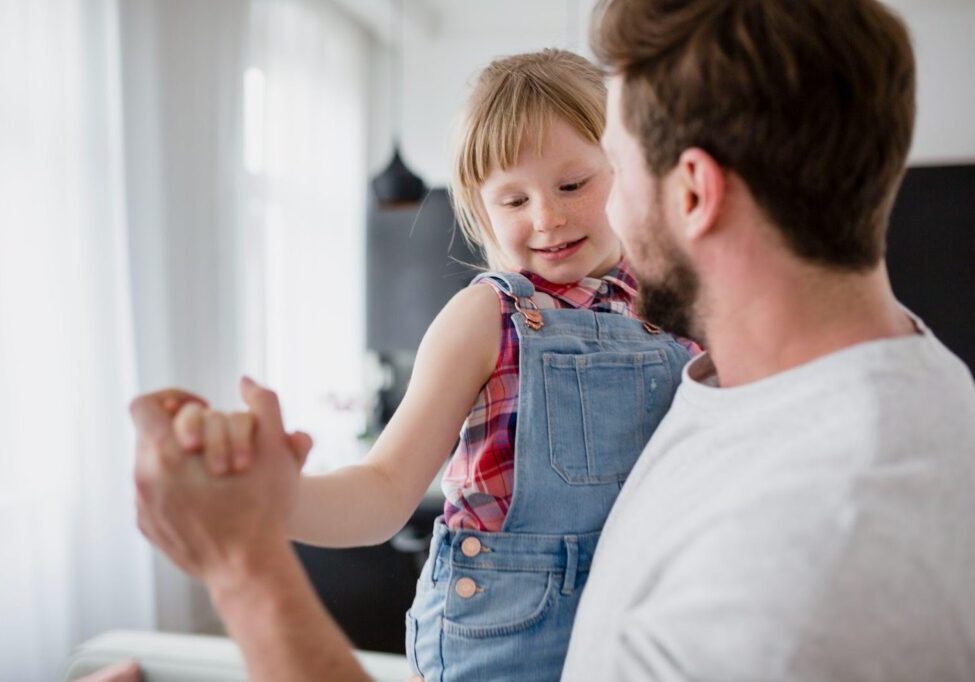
397, 185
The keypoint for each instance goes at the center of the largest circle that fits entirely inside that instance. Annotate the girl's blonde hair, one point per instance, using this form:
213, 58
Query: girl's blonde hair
512, 103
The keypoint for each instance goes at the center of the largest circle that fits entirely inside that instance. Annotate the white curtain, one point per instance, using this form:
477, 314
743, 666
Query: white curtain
71, 561
182, 77
306, 126
133, 256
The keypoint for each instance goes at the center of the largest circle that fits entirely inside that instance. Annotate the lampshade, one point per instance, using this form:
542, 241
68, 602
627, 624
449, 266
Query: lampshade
397, 184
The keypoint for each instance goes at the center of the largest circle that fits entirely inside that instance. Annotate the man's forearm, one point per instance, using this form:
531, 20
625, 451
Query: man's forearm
274, 615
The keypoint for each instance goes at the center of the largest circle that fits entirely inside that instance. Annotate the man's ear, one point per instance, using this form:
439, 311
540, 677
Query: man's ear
701, 182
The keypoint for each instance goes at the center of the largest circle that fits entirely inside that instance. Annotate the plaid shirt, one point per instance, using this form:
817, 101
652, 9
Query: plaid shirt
480, 476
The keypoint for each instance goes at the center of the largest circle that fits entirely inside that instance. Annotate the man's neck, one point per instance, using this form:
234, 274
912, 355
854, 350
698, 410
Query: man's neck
794, 316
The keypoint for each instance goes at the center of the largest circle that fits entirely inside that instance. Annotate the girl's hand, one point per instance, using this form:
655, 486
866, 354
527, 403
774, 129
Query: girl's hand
225, 439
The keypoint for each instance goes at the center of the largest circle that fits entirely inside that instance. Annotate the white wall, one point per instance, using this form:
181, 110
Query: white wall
441, 57
943, 32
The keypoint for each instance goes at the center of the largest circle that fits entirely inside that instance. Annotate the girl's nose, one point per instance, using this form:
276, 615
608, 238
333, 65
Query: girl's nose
548, 216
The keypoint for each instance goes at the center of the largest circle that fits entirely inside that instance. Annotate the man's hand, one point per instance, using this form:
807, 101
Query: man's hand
204, 524
231, 532
120, 672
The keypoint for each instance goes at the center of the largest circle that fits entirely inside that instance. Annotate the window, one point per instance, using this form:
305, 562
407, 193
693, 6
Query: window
305, 158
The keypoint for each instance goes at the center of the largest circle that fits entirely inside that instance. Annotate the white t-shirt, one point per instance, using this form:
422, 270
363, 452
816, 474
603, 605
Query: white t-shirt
818, 524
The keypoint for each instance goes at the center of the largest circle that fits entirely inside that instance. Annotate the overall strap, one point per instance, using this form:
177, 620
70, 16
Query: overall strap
520, 289
513, 284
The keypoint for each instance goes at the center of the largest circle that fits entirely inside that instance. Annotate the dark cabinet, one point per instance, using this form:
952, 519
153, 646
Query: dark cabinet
368, 589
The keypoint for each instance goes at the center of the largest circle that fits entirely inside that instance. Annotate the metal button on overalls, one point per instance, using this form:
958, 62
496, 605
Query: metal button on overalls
465, 588
471, 546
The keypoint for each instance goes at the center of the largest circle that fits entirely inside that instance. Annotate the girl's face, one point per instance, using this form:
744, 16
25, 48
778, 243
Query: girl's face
547, 211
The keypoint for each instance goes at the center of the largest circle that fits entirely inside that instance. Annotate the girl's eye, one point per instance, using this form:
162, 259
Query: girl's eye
572, 186
513, 203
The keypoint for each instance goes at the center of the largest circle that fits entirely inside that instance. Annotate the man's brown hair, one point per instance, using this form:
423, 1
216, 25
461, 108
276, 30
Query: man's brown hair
810, 102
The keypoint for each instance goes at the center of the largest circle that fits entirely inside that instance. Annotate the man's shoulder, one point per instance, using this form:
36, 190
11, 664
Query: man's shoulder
908, 396
903, 394
879, 462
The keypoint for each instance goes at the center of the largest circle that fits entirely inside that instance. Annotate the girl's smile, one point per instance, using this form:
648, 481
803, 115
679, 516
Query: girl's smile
560, 251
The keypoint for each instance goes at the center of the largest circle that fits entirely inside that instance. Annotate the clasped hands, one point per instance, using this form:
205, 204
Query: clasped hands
215, 490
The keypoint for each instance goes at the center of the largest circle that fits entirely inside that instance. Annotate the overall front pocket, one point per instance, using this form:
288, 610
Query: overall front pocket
602, 409
502, 602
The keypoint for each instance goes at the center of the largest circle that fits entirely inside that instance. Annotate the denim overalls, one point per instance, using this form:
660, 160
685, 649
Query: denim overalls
593, 387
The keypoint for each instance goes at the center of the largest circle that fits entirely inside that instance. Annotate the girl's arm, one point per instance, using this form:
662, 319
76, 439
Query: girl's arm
368, 503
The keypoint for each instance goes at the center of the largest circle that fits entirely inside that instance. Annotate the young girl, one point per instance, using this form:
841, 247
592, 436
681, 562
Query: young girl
541, 366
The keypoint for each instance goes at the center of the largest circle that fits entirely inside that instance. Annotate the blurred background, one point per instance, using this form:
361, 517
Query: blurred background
185, 197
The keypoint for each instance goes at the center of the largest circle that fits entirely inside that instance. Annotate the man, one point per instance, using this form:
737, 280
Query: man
804, 511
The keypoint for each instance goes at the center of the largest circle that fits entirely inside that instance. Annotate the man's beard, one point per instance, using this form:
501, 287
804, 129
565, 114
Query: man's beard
670, 301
